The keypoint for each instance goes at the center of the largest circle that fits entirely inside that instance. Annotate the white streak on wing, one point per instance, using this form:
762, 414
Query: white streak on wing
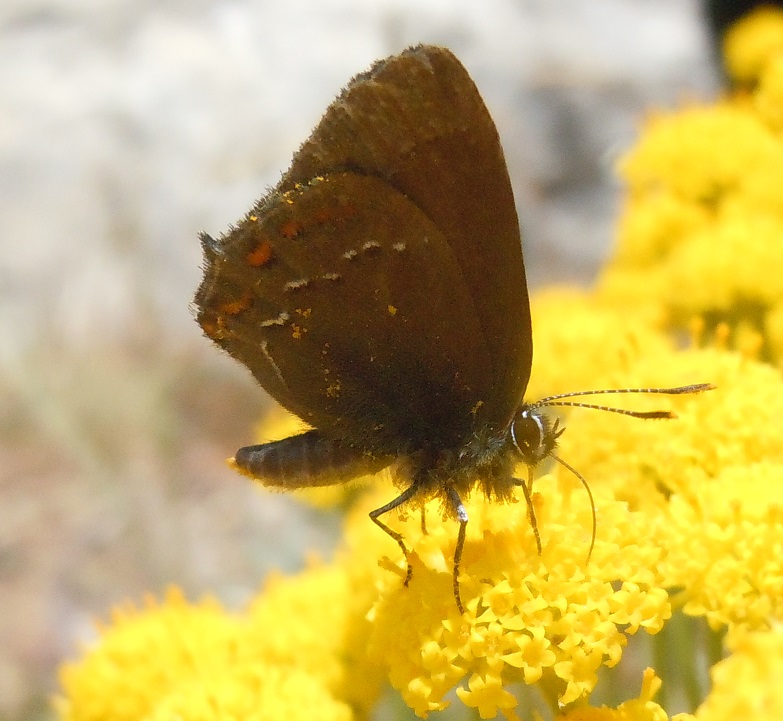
274, 365
281, 319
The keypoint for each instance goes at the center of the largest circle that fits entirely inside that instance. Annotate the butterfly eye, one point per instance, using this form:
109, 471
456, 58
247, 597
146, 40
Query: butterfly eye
533, 435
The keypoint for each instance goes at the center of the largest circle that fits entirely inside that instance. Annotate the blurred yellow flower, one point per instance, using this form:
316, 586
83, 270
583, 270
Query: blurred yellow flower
768, 98
251, 693
747, 683
751, 41
638, 709
701, 233
315, 622
196, 661
700, 154
581, 342
144, 655
730, 269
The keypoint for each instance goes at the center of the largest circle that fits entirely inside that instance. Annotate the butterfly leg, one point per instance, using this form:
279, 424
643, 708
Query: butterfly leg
462, 516
527, 487
403, 498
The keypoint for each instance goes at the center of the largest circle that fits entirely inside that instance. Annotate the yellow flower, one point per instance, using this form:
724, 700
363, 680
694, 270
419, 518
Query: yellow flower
721, 537
730, 269
638, 709
486, 694
144, 655
750, 42
747, 683
758, 193
768, 97
645, 461
700, 233
700, 154
582, 343
552, 619
712, 479
654, 223
725, 270
198, 663
252, 692
315, 622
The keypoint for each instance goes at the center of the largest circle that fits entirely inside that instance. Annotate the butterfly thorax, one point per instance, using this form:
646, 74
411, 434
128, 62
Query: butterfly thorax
487, 461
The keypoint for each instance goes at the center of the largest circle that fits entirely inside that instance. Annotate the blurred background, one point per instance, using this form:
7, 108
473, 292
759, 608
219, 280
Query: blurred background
128, 127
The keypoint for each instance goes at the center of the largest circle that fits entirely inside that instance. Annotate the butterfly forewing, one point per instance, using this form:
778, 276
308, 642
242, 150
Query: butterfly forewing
346, 335
381, 294
417, 121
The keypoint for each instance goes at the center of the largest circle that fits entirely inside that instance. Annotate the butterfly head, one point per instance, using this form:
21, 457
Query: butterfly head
533, 434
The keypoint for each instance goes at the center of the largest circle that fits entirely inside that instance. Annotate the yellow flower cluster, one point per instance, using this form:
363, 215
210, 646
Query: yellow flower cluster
638, 709
685, 505
689, 511
713, 478
702, 228
734, 425
551, 620
177, 660
747, 683
720, 539
316, 623
751, 42
144, 654
581, 342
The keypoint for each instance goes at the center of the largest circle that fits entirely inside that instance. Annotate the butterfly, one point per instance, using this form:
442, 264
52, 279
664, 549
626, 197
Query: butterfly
378, 292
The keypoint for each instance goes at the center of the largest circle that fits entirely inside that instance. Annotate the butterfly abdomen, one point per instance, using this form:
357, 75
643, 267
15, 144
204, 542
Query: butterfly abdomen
306, 460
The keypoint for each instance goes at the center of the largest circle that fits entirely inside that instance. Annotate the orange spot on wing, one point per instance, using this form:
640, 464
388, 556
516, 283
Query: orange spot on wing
260, 255
235, 307
290, 229
214, 328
